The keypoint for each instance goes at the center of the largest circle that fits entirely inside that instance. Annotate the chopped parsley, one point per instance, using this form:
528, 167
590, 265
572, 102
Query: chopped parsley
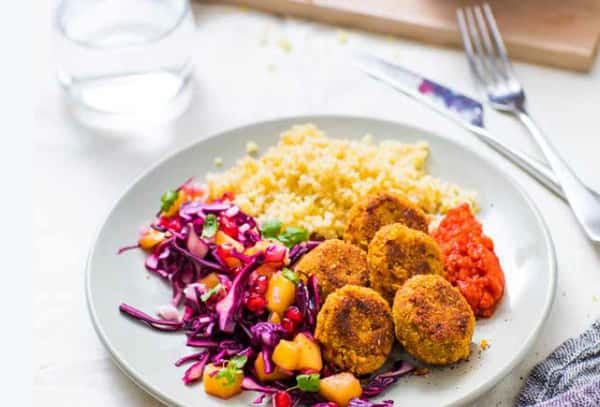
308, 382
211, 225
270, 228
290, 275
211, 292
232, 367
293, 235
168, 199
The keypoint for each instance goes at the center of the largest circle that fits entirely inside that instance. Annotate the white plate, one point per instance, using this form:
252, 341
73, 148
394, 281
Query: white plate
508, 215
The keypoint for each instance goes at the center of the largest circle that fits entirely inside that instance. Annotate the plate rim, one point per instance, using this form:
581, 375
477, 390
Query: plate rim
130, 371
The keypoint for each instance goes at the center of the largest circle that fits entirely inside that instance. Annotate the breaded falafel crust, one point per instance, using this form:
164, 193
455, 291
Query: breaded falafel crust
334, 263
367, 216
355, 329
397, 253
432, 320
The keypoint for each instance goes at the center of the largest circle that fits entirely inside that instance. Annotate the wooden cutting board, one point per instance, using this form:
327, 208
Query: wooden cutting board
559, 33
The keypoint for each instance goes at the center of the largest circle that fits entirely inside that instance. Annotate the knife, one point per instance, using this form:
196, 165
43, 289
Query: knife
464, 110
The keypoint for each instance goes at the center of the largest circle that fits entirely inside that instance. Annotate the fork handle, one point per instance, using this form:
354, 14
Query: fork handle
585, 204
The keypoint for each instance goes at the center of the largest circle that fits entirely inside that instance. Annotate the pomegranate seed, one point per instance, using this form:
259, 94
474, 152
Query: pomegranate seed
228, 226
260, 285
175, 224
288, 325
170, 223
282, 399
255, 303
252, 278
294, 314
164, 221
227, 196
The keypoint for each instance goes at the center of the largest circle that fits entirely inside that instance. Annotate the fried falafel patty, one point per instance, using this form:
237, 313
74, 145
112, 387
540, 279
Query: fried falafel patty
355, 329
334, 263
397, 253
367, 216
432, 320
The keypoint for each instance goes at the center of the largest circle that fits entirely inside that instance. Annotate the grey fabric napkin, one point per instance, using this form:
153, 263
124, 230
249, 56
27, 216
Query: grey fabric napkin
570, 376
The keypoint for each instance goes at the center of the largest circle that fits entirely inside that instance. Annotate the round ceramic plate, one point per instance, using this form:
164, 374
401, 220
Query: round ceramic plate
508, 215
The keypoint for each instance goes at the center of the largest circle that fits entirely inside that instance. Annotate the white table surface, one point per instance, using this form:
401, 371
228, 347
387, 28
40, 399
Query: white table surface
242, 76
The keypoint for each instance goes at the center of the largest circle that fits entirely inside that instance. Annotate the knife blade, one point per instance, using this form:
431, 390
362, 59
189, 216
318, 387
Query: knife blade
462, 109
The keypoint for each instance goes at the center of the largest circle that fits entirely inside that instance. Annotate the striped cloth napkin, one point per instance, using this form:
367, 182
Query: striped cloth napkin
570, 376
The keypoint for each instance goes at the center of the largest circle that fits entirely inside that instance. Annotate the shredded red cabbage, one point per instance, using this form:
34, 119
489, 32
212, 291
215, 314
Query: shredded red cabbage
216, 316
363, 402
384, 380
194, 372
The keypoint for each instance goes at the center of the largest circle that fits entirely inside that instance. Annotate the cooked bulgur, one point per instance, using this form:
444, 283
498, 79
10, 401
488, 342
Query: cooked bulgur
311, 180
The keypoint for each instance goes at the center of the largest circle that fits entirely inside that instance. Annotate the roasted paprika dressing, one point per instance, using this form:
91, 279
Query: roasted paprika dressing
470, 261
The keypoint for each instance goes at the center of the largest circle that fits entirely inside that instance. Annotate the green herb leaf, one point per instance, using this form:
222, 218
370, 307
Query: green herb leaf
226, 374
308, 382
211, 292
293, 235
238, 362
290, 275
232, 367
211, 225
168, 199
270, 228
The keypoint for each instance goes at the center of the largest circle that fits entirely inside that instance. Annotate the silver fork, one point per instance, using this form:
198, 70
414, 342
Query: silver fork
494, 73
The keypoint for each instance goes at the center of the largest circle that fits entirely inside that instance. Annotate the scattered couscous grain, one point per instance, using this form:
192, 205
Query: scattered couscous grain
285, 44
342, 37
312, 181
484, 344
251, 147
218, 161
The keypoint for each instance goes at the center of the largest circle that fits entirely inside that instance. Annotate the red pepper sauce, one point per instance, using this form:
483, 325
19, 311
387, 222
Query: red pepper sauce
470, 261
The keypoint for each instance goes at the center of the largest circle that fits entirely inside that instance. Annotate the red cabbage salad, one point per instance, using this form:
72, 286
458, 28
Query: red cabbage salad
240, 305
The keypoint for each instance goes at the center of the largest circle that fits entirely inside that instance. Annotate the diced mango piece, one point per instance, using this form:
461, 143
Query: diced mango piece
222, 238
274, 318
221, 387
210, 280
277, 373
258, 247
281, 293
174, 209
340, 388
285, 355
266, 269
151, 238
309, 353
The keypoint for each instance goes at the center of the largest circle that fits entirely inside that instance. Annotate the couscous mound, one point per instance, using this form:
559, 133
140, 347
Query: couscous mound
312, 181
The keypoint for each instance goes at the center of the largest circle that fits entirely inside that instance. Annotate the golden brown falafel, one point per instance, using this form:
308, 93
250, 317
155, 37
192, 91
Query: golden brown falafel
432, 320
397, 253
334, 263
355, 329
367, 216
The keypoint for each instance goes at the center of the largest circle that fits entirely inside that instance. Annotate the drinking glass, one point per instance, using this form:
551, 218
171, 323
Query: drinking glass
125, 64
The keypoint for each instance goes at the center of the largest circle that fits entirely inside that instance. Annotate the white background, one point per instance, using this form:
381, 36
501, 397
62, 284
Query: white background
78, 173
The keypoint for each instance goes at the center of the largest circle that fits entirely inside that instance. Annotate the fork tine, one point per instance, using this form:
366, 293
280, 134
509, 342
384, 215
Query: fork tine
495, 65
468, 46
487, 10
487, 72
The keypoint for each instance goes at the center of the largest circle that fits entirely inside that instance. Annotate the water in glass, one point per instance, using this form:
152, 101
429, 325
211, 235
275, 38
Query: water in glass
125, 63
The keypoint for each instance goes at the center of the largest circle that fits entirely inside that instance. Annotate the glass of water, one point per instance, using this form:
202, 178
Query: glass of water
125, 64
